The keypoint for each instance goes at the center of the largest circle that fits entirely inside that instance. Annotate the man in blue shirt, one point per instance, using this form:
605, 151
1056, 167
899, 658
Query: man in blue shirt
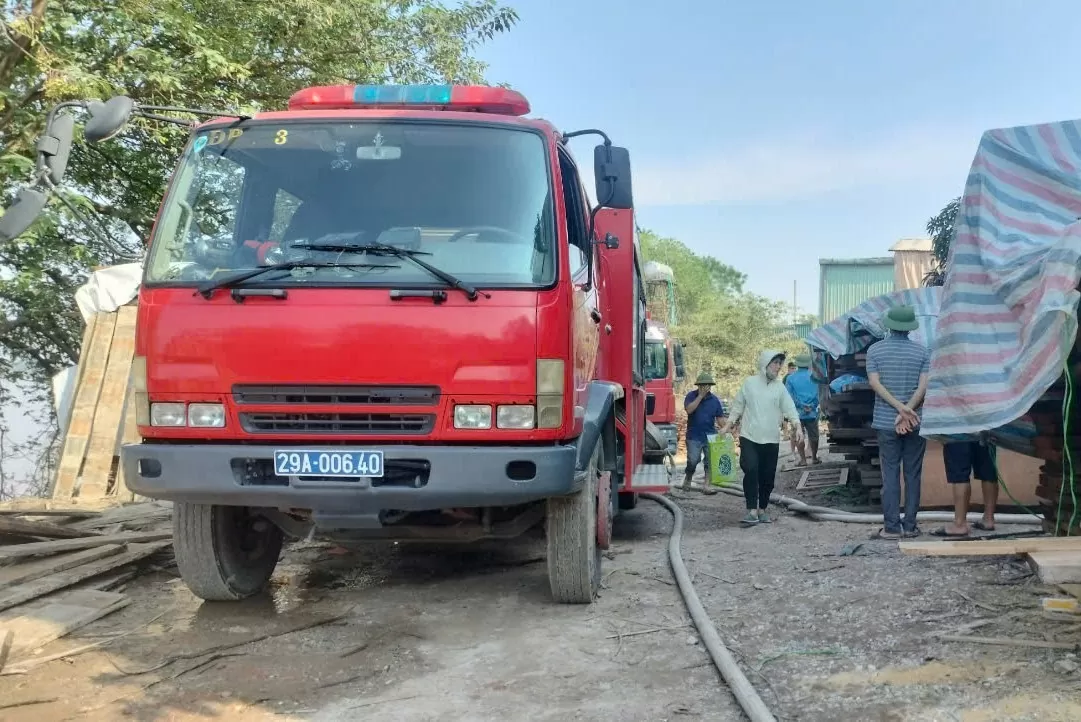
804, 392
703, 410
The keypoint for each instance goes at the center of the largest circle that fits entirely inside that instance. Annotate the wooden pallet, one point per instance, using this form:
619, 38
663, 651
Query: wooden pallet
822, 478
102, 414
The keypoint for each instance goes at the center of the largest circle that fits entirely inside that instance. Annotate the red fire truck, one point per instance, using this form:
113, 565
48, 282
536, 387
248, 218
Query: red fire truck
388, 312
664, 367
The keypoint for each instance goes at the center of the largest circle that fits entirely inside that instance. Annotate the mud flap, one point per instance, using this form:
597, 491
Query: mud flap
604, 510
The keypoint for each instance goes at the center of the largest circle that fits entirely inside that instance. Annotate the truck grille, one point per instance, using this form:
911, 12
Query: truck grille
340, 395
270, 423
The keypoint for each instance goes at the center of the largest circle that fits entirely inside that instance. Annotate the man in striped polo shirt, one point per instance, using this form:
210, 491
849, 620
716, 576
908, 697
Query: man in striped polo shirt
897, 370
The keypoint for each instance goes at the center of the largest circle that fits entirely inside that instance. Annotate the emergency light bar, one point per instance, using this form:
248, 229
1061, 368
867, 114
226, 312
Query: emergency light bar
468, 98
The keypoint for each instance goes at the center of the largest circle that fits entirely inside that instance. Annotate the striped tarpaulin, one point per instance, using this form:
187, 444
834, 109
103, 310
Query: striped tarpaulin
861, 326
1009, 304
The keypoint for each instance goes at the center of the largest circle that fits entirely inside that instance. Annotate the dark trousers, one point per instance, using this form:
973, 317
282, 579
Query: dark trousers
759, 464
894, 452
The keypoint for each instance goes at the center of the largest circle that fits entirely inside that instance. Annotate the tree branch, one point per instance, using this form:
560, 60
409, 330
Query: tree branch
21, 43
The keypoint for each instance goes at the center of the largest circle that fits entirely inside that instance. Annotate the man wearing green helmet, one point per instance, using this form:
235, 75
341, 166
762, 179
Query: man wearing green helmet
703, 409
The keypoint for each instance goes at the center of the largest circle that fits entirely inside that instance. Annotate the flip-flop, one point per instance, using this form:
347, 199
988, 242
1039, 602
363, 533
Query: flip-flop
942, 533
982, 526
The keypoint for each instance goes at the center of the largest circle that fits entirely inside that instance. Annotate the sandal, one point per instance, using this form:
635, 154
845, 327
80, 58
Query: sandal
946, 534
982, 525
886, 535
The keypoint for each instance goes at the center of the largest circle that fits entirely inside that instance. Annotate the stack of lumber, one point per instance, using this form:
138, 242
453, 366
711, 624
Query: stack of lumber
1057, 560
102, 412
1059, 489
61, 569
849, 431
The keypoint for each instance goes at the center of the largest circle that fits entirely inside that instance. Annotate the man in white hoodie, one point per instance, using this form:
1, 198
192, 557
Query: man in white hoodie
760, 407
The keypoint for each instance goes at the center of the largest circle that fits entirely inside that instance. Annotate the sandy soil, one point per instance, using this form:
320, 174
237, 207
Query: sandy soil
429, 634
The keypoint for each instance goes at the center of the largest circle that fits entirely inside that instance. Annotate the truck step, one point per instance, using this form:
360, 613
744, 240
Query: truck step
651, 477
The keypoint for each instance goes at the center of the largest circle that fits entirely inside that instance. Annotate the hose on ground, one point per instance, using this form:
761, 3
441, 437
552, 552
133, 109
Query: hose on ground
825, 513
741, 687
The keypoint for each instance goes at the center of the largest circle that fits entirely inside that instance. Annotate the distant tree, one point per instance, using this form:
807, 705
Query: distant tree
941, 230
723, 327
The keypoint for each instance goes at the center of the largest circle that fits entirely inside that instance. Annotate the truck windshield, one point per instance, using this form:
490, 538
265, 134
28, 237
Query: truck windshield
475, 202
656, 366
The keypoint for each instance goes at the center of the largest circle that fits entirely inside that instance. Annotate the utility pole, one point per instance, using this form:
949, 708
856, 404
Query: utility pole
795, 313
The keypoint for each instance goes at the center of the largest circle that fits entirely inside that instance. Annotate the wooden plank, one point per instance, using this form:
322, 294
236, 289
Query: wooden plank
50, 621
23, 527
108, 416
84, 407
1073, 590
10, 576
15, 552
993, 547
55, 582
1057, 567
135, 513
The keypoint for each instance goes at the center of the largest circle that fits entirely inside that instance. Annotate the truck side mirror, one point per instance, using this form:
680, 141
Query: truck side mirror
54, 147
108, 118
22, 213
651, 403
677, 356
612, 175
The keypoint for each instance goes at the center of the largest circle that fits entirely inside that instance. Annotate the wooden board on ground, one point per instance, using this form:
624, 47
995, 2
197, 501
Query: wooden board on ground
92, 364
54, 582
22, 527
1057, 567
821, 478
20, 573
134, 514
55, 618
109, 414
993, 547
14, 552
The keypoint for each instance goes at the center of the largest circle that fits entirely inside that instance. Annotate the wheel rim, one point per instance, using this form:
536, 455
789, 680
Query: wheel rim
252, 534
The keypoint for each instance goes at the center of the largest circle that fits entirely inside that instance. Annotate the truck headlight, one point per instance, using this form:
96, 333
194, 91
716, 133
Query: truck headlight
167, 414
206, 416
472, 416
515, 417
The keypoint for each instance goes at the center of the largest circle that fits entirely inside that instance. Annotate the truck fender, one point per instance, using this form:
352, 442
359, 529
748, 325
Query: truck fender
598, 426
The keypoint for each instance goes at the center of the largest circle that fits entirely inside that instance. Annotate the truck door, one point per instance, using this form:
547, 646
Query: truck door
586, 319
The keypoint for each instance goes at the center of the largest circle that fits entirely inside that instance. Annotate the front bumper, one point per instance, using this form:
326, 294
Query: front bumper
417, 478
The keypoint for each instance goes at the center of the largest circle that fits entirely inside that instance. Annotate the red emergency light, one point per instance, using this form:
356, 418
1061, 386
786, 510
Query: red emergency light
465, 98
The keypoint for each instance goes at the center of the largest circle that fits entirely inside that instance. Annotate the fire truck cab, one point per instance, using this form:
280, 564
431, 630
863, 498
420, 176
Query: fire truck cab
388, 313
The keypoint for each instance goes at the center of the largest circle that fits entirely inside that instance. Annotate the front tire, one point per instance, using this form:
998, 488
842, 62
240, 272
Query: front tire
224, 553
574, 558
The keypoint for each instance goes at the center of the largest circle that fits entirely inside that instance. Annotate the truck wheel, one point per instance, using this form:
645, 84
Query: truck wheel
224, 553
627, 500
574, 559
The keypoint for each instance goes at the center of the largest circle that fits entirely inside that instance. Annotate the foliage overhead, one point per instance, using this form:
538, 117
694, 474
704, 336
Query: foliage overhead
941, 230
723, 327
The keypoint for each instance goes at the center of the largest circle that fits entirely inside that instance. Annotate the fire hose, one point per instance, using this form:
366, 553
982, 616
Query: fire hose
726, 664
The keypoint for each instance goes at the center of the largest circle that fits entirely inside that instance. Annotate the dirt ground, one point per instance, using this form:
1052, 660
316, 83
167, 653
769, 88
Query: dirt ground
420, 634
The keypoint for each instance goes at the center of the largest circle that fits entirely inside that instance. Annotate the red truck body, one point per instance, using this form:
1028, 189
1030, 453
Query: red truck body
664, 368
352, 393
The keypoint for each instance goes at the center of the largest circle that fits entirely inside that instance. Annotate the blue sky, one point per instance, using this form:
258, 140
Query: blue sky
773, 134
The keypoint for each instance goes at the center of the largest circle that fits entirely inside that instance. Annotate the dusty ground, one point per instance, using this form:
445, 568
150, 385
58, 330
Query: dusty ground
471, 635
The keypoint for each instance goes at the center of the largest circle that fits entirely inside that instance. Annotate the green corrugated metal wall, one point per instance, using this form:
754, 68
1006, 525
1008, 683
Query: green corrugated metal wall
846, 284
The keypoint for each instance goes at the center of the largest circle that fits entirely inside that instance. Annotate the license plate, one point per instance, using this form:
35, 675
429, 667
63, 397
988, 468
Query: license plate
347, 464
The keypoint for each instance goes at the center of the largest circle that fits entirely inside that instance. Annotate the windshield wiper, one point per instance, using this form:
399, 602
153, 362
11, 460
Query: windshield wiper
384, 249
207, 289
